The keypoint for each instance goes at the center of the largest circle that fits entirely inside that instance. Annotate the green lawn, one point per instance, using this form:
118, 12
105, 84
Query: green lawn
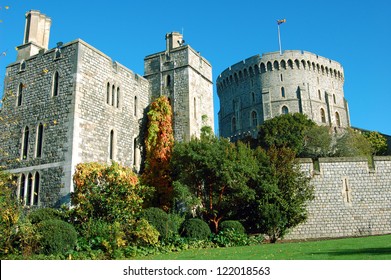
364, 248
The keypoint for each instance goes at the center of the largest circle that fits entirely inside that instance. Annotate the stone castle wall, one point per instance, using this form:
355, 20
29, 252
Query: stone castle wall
351, 199
262, 87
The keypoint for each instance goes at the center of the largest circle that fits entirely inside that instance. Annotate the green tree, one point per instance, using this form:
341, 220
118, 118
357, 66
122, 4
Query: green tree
158, 145
377, 141
286, 130
351, 144
317, 142
216, 173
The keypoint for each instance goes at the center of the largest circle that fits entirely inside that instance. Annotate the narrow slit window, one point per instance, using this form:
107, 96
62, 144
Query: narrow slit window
22, 187
36, 188
29, 189
111, 145
20, 94
113, 95
56, 78
118, 97
25, 143
39, 141
108, 93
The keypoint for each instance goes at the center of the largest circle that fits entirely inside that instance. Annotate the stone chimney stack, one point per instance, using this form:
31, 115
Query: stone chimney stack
174, 40
36, 34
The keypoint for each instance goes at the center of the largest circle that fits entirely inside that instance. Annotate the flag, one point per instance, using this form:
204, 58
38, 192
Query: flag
280, 21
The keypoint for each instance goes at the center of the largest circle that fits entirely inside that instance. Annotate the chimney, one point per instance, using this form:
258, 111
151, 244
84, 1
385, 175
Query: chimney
36, 34
174, 40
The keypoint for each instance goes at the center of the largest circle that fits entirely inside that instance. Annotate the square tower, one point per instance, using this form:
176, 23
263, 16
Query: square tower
185, 77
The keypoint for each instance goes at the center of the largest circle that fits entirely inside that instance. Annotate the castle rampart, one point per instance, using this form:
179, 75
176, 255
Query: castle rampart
352, 198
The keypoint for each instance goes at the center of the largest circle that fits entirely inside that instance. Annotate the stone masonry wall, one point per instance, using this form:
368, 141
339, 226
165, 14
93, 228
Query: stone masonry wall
351, 199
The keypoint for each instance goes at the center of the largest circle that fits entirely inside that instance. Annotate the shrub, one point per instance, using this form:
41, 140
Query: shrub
230, 238
195, 229
43, 214
145, 233
234, 225
57, 237
160, 220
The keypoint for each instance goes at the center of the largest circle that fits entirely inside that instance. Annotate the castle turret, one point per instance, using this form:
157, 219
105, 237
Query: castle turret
36, 35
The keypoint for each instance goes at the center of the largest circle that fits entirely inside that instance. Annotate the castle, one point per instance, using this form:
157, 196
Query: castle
73, 104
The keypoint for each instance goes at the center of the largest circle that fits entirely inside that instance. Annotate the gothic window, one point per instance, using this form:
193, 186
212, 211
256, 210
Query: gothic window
111, 145
55, 88
284, 110
21, 187
29, 189
36, 188
118, 96
303, 64
233, 126
254, 119
282, 92
25, 142
39, 142
108, 94
290, 64
20, 94
263, 68
323, 115
276, 66
283, 64
337, 119
297, 63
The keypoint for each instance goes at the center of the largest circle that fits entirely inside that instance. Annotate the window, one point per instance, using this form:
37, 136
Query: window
39, 142
168, 80
22, 66
253, 97
118, 94
55, 89
319, 94
111, 145
135, 151
233, 124
334, 99
284, 110
108, 93
282, 92
281, 78
113, 95
36, 188
29, 189
337, 119
25, 142
135, 106
254, 119
57, 53
323, 115
20, 94
21, 187
195, 108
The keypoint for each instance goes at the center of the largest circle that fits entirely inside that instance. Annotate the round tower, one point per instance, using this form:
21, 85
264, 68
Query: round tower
262, 87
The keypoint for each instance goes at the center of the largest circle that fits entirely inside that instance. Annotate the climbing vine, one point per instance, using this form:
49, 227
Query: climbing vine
158, 145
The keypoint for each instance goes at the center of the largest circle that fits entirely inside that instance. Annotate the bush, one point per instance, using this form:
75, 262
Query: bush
160, 220
43, 214
234, 225
230, 238
57, 237
195, 229
144, 233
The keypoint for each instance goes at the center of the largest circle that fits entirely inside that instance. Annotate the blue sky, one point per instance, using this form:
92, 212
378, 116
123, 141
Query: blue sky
355, 33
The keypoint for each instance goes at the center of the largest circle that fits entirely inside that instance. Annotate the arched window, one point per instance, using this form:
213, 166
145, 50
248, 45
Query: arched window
111, 145
25, 142
55, 85
135, 106
263, 68
282, 92
283, 64
22, 187
118, 96
284, 110
290, 64
39, 142
297, 63
29, 189
337, 119
254, 119
22, 66
113, 95
233, 124
36, 188
269, 66
20, 94
323, 115
108, 94
275, 65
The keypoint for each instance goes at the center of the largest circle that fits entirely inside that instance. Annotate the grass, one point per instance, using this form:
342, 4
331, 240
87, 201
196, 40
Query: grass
363, 248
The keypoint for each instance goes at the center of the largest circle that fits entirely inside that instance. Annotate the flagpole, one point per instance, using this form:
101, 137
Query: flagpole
279, 38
